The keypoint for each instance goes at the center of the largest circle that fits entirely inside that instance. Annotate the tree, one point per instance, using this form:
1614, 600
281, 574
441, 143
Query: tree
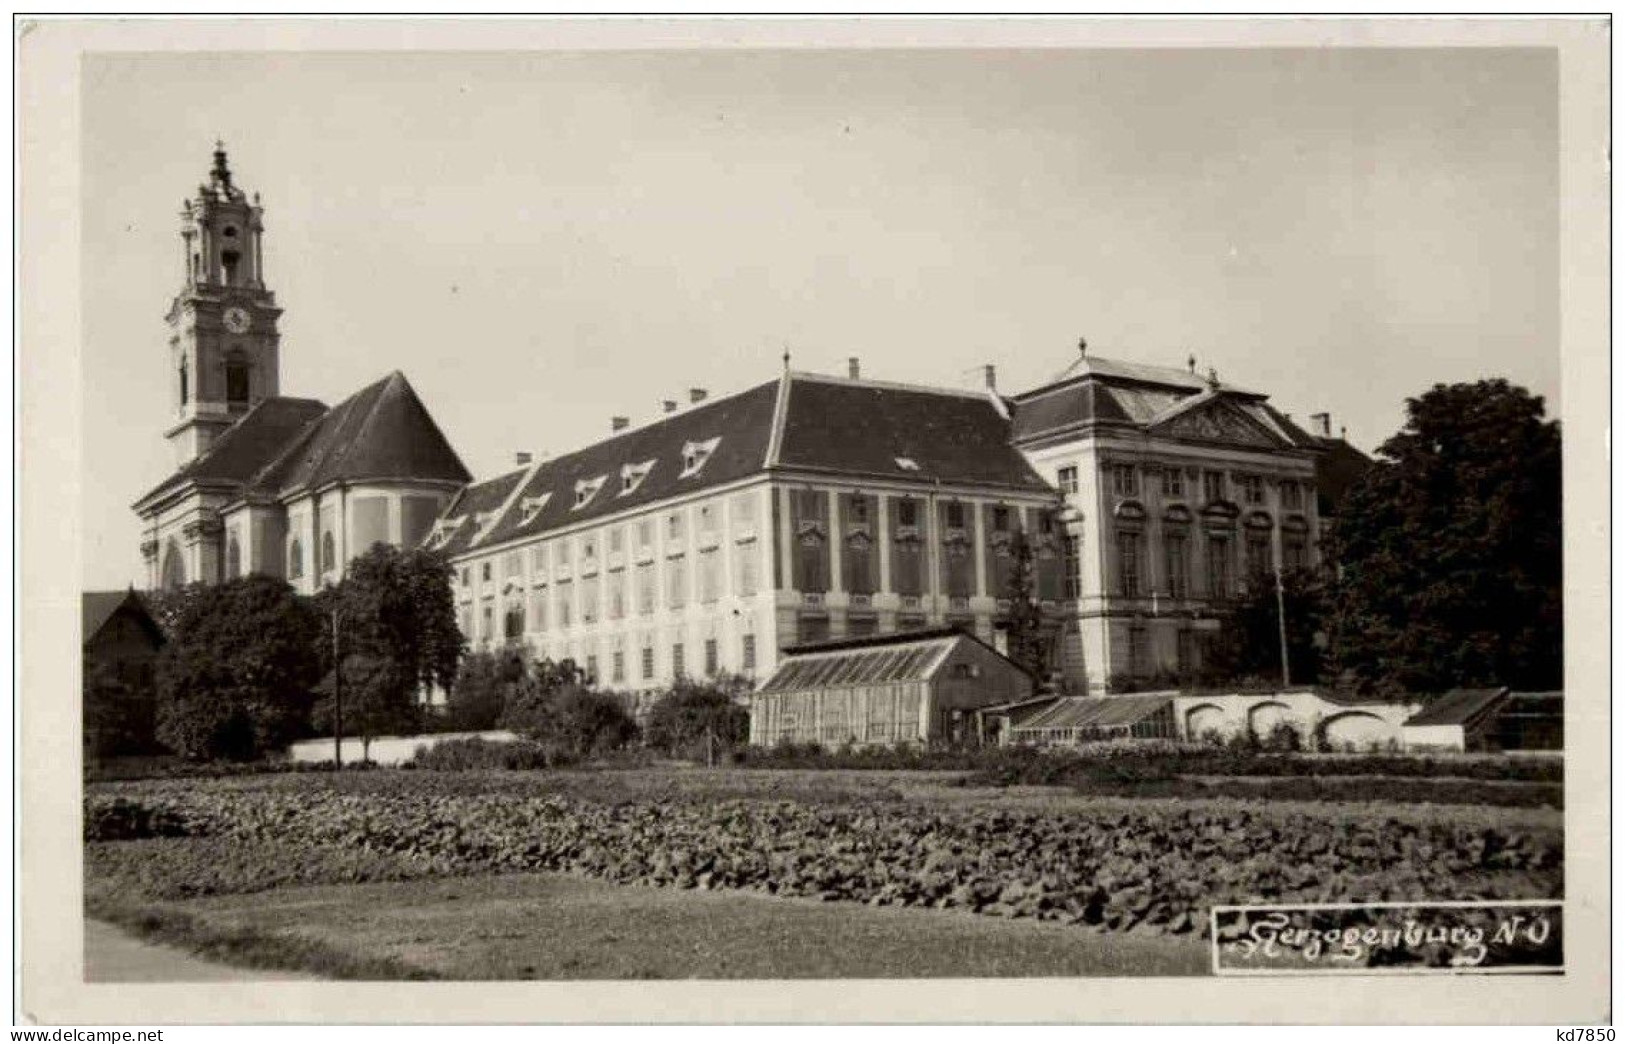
1248, 647
118, 714
234, 680
1024, 621
555, 706
168, 606
1448, 554
701, 718
398, 633
487, 681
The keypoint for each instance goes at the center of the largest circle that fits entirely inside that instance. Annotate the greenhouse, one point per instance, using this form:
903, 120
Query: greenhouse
909, 687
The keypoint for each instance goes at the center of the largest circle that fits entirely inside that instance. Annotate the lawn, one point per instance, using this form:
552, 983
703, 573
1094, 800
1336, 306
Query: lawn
549, 926
760, 873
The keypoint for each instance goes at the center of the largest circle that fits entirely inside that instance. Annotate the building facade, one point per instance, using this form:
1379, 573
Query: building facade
1179, 492
263, 483
803, 509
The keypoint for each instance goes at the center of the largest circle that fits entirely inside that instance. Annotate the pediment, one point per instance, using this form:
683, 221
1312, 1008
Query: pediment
1217, 421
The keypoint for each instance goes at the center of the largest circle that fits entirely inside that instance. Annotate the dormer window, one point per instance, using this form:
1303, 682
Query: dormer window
483, 518
530, 507
907, 463
586, 489
632, 475
695, 454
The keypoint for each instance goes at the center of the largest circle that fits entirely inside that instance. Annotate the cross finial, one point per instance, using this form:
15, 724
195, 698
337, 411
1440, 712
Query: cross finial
1190, 361
786, 358
1083, 346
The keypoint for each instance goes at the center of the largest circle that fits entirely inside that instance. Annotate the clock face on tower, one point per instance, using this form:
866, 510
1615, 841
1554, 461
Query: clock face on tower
238, 320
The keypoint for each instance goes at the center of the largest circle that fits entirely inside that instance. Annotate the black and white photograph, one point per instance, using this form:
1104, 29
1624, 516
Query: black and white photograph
756, 506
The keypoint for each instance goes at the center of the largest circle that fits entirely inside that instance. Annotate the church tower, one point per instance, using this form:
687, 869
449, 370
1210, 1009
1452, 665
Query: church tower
223, 337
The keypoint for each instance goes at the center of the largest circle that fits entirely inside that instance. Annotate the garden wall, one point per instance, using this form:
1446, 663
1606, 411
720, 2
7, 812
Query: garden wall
384, 750
1360, 726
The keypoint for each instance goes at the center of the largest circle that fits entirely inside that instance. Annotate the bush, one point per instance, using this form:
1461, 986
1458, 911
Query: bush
472, 753
554, 707
1283, 738
487, 681
701, 719
121, 819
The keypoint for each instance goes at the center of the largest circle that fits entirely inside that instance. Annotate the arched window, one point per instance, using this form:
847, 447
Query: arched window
296, 560
174, 571
328, 556
234, 558
185, 390
236, 379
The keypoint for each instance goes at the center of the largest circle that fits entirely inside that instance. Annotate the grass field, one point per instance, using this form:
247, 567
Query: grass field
402, 874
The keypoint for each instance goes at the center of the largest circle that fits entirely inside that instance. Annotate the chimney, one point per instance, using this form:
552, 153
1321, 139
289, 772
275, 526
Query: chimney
522, 458
668, 406
852, 367
1322, 422
619, 423
990, 375
696, 395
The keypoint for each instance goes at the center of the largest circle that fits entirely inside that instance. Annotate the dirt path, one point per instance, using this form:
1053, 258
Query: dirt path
113, 956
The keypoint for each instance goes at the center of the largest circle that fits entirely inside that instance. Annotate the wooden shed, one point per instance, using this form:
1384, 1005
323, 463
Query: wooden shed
910, 687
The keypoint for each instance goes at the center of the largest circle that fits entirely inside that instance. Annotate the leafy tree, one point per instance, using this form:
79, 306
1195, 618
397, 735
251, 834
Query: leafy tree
235, 679
1024, 622
118, 715
1448, 553
167, 607
555, 706
487, 681
1248, 647
397, 634
701, 718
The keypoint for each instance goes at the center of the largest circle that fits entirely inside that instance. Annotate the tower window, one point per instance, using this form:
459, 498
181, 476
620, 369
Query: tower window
185, 389
329, 558
296, 560
236, 380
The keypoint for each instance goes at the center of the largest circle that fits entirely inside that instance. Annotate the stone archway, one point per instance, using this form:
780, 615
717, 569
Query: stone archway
1205, 719
1356, 729
1262, 717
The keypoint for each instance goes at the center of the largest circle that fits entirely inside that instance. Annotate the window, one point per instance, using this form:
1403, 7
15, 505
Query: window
1212, 486
747, 654
296, 561
1067, 479
1070, 565
674, 526
1173, 483
1125, 480
485, 572
1295, 552
510, 566
565, 594
1186, 652
907, 512
592, 669
695, 454
1252, 489
1291, 495
711, 664
538, 609
186, 391
465, 575
589, 551
646, 533
538, 561
1139, 659
234, 558
1001, 519
1257, 550
676, 583
1176, 560
677, 660
710, 575
530, 507
648, 658
646, 588
1218, 566
617, 668
616, 539
745, 570
617, 595
329, 556
586, 489
513, 621
589, 600
955, 514
632, 475
237, 380
859, 510
1128, 568
485, 623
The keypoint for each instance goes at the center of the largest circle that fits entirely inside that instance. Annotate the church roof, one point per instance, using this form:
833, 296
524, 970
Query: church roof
283, 446
246, 447
382, 431
1336, 471
96, 608
799, 423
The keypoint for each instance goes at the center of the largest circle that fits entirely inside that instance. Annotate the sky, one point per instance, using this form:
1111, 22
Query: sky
542, 240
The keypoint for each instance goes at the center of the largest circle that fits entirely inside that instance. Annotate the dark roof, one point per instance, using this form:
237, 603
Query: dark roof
257, 438
382, 431
459, 521
1097, 712
873, 641
862, 428
1337, 469
829, 425
1459, 707
743, 422
96, 608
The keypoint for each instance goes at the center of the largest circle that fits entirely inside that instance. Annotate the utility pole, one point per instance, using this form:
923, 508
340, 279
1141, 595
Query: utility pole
1280, 615
338, 692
